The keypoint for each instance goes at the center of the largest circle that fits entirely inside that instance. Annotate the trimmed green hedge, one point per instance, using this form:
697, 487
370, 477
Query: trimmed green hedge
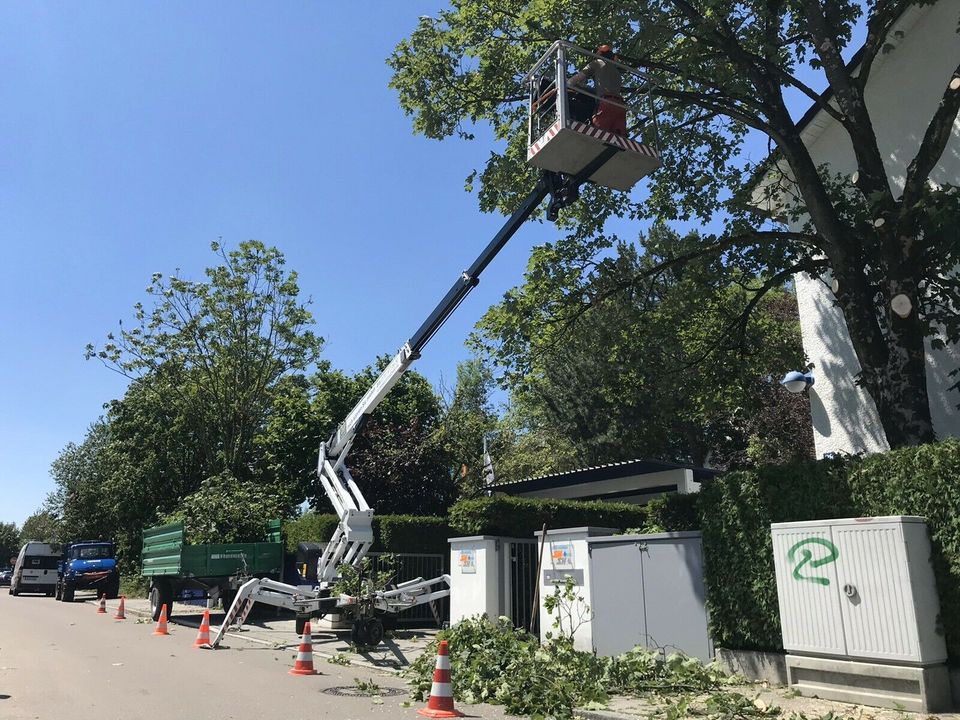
921, 481
391, 533
736, 509
411, 533
522, 517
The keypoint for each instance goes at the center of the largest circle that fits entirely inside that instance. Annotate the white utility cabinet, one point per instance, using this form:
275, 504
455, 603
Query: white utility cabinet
859, 588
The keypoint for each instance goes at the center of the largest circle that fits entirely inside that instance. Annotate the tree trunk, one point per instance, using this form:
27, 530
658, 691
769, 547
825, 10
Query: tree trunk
892, 356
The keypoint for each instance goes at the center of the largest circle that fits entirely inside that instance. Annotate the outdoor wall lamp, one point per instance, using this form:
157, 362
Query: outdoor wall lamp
796, 382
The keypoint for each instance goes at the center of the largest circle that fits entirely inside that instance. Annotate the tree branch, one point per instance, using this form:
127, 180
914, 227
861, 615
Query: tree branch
934, 141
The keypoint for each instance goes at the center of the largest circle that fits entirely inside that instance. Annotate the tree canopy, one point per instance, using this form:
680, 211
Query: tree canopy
618, 355
722, 71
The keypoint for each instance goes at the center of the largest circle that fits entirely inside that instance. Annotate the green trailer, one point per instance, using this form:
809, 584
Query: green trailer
177, 570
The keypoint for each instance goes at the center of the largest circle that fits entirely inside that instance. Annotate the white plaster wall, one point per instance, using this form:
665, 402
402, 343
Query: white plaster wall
476, 593
904, 90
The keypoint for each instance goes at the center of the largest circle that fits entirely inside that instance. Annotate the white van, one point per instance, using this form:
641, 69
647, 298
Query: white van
36, 569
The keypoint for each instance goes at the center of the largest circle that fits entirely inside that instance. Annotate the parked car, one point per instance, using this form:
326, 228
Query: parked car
36, 569
5, 575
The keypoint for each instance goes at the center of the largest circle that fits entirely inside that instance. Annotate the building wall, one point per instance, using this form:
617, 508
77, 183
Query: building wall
904, 90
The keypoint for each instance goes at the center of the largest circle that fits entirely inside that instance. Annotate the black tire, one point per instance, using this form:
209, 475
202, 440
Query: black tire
161, 593
67, 591
374, 632
358, 632
302, 621
59, 592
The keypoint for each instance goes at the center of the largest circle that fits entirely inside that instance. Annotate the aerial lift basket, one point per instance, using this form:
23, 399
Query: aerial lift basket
559, 142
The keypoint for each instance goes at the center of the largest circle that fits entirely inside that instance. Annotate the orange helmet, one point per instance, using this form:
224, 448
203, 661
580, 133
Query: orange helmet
605, 50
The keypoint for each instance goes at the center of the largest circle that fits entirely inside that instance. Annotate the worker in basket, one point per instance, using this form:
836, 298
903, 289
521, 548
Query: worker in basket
611, 113
580, 105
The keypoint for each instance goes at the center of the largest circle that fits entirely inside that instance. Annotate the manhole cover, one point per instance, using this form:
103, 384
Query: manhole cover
354, 691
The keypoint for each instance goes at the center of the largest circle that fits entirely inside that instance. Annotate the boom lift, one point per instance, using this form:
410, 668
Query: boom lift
570, 152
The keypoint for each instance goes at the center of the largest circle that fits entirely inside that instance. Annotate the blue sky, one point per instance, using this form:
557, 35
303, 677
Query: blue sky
134, 134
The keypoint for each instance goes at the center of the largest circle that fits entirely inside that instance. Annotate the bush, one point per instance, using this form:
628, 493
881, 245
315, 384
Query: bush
921, 481
412, 534
391, 533
522, 517
672, 513
309, 527
736, 509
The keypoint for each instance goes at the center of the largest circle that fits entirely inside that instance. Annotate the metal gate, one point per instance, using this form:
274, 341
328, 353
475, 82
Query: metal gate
523, 556
410, 566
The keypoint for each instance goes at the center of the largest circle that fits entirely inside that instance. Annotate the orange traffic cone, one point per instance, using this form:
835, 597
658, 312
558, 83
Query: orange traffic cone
102, 610
304, 663
120, 614
162, 622
203, 637
440, 704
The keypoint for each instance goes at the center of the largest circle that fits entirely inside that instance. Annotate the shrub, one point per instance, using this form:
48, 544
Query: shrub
736, 510
673, 513
921, 481
309, 527
391, 533
413, 534
522, 517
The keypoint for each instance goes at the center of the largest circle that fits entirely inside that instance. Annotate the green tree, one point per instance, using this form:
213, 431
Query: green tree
221, 346
468, 417
80, 501
620, 362
41, 526
398, 458
9, 543
722, 72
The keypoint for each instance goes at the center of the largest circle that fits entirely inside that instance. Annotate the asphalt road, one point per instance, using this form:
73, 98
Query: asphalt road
61, 660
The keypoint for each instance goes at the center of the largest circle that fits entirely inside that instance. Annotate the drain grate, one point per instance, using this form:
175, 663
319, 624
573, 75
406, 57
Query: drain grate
353, 691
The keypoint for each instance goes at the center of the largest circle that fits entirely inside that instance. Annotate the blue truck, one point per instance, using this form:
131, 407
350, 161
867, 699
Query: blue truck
88, 565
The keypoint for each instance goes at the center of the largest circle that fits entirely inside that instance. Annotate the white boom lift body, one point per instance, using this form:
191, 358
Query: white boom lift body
569, 153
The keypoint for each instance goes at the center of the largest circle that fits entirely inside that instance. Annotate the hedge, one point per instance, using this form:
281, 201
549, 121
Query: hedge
735, 511
922, 481
522, 517
391, 533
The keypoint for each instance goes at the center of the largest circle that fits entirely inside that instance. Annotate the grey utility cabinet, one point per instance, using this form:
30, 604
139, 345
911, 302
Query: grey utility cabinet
649, 590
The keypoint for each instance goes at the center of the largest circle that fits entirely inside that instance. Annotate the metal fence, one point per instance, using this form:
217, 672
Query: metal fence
410, 566
523, 579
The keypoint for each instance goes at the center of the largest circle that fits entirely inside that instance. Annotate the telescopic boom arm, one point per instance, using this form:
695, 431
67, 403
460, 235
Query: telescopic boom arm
354, 535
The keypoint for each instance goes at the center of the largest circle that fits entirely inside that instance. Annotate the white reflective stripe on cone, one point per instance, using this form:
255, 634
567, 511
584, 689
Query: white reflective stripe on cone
443, 662
441, 689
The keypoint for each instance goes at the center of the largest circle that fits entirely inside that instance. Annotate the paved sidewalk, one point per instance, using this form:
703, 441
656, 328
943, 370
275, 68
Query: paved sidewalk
764, 697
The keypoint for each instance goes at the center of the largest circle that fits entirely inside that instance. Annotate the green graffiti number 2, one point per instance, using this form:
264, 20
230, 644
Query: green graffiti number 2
806, 557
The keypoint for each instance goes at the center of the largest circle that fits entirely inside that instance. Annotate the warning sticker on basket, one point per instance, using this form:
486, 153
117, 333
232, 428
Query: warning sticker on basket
467, 561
